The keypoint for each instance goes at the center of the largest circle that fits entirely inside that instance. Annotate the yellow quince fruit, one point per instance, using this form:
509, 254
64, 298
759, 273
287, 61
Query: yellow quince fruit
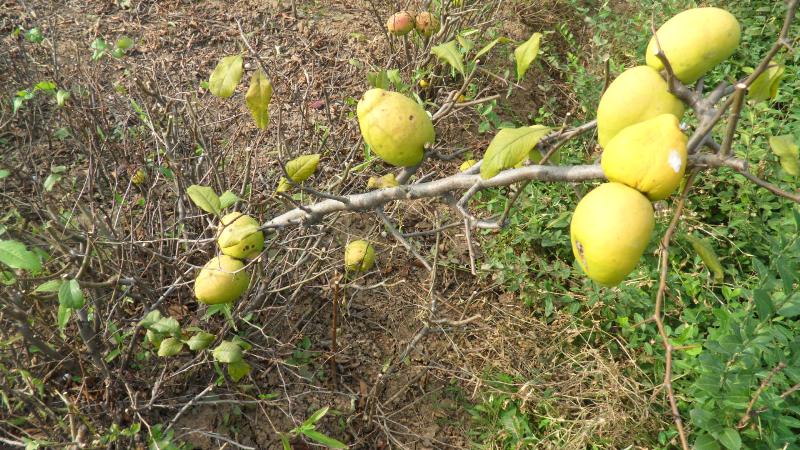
636, 95
695, 41
394, 126
649, 156
222, 280
359, 256
610, 230
240, 237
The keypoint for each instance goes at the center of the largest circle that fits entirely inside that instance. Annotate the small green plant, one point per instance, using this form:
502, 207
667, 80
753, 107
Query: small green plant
309, 429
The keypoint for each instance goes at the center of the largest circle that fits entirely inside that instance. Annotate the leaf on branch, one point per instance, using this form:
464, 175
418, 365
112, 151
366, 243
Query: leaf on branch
205, 198
70, 295
510, 147
200, 341
765, 86
449, 53
15, 255
151, 318
706, 252
526, 53
238, 370
378, 80
166, 325
227, 199
466, 165
258, 97
386, 181
49, 286
226, 76
227, 352
324, 439
64, 313
170, 347
791, 307
787, 151
730, 439
302, 167
488, 47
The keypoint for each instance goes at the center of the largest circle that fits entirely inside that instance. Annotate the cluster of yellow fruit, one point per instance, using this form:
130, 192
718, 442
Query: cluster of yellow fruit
644, 149
223, 279
402, 22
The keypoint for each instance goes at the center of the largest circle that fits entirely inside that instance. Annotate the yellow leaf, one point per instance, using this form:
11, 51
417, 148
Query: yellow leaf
706, 252
385, 181
787, 151
765, 86
226, 76
258, 97
526, 53
302, 167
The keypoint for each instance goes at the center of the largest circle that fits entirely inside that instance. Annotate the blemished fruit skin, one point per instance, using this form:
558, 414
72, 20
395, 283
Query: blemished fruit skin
426, 24
400, 23
649, 156
394, 126
221, 280
359, 256
248, 247
610, 230
694, 41
636, 95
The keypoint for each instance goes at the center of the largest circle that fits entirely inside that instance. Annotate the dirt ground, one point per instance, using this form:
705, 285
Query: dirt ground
414, 349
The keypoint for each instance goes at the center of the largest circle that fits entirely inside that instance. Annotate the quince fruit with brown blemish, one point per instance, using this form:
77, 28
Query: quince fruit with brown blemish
400, 23
239, 236
610, 230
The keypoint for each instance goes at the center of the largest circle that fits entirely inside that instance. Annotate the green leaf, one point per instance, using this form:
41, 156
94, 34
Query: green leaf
150, 319
705, 442
170, 347
62, 96
47, 86
791, 307
124, 43
285, 442
4, 173
200, 341
730, 439
49, 286
302, 167
378, 80
15, 255
70, 294
706, 252
526, 53
449, 53
227, 352
226, 76
510, 147
314, 418
258, 97
487, 48
64, 314
787, 151
238, 370
205, 198
51, 181
765, 86
34, 35
227, 199
324, 440
166, 325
